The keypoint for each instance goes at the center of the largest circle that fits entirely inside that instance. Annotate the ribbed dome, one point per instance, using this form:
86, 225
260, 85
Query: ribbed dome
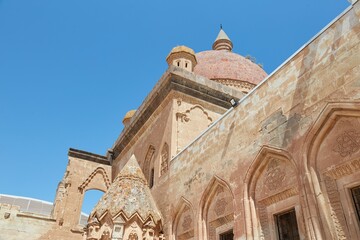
226, 65
228, 68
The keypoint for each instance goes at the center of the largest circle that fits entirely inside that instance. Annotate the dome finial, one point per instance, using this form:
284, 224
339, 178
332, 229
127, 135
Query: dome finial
222, 41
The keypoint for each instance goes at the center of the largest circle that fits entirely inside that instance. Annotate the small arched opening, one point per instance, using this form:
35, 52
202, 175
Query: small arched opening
90, 199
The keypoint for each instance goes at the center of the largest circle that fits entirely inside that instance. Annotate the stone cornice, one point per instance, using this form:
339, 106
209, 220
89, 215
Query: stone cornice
178, 80
88, 156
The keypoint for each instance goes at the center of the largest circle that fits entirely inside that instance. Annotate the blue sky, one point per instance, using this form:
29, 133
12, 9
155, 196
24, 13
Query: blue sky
70, 70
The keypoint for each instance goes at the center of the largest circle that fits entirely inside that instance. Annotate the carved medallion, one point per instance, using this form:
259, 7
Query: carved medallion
220, 206
274, 175
347, 143
187, 222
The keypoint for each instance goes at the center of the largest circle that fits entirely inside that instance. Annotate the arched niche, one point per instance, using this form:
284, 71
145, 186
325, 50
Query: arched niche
272, 188
332, 164
216, 210
149, 166
183, 223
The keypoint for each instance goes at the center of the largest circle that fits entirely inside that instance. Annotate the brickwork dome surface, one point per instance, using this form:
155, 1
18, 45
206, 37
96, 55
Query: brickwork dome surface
223, 64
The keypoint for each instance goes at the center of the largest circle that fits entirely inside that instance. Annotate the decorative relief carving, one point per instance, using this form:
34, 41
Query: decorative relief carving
179, 102
279, 197
220, 206
274, 175
182, 116
336, 210
98, 170
347, 143
355, 164
187, 223
336, 172
133, 236
219, 190
264, 222
164, 159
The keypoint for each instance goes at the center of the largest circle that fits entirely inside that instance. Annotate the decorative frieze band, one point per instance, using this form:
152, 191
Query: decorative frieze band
279, 196
343, 170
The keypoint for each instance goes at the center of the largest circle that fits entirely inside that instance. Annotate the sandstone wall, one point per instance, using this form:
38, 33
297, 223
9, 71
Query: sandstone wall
15, 225
265, 151
178, 120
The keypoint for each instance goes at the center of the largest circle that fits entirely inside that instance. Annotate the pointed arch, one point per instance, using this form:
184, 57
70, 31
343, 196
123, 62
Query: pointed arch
324, 220
148, 166
263, 162
265, 155
326, 120
206, 200
182, 207
101, 171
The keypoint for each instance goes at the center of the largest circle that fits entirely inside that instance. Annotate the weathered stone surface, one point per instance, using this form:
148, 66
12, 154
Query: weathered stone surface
292, 143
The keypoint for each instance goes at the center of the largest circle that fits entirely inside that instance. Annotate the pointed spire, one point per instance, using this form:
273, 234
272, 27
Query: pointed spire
222, 41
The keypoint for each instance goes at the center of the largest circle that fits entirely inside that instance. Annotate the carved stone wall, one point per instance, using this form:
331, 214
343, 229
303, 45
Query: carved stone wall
85, 171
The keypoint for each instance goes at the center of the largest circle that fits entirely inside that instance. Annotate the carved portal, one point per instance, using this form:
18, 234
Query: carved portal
272, 185
337, 161
184, 222
220, 211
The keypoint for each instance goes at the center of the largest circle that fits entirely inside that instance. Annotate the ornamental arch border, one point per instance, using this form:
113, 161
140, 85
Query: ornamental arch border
205, 201
313, 193
252, 175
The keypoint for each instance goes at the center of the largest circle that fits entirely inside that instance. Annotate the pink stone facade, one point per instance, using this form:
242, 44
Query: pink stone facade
282, 163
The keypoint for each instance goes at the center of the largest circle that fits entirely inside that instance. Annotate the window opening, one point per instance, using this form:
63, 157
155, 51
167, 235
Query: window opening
186, 64
149, 165
229, 235
164, 159
355, 192
152, 174
178, 64
287, 227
